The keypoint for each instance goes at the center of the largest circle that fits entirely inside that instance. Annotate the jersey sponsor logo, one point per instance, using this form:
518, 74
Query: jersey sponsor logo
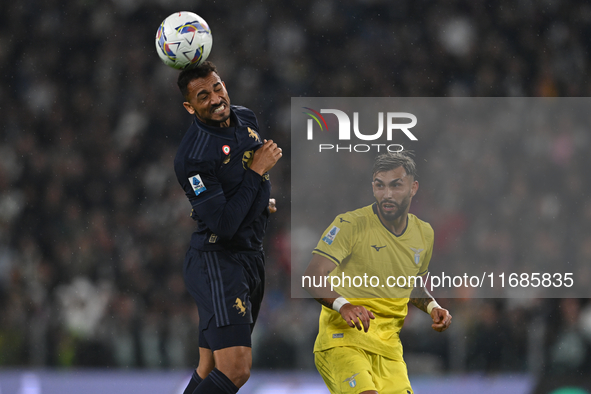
197, 184
352, 382
417, 255
239, 305
330, 236
377, 248
253, 134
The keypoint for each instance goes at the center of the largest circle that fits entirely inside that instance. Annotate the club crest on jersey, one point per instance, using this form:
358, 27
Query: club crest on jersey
197, 184
253, 134
247, 158
352, 382
240, 306
330, 236
417, 255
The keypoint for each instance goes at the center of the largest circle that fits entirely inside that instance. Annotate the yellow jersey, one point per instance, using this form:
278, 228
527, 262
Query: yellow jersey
382, 268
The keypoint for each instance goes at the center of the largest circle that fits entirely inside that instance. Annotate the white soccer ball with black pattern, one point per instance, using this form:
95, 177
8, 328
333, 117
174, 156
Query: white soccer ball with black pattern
183, 40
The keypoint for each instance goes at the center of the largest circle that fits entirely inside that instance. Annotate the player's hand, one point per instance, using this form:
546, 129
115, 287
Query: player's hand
356, 316
272, 207
441, 319
265, 157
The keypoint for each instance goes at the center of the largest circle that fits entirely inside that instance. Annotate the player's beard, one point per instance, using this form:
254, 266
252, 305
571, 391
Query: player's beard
400, 209
225, 118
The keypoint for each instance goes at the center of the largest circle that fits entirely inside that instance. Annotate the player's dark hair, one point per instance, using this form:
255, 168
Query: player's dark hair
390, 161
186, 76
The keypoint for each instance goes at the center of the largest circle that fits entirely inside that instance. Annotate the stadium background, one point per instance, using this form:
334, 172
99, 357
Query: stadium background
94, 227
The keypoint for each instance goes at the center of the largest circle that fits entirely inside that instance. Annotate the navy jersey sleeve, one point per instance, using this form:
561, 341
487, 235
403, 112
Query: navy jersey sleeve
261, 202
221, 215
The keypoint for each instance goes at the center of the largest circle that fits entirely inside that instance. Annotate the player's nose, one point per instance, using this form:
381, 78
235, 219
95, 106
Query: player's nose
216, 99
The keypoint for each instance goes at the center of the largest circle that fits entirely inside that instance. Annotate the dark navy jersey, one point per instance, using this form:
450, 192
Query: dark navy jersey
230, 201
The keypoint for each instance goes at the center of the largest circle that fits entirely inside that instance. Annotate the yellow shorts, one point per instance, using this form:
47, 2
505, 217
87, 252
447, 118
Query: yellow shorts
350, 370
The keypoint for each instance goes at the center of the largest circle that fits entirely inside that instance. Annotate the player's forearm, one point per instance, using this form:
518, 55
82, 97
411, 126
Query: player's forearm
324, 296
223, 217
327, 302
421, 298
260, 204
316, 284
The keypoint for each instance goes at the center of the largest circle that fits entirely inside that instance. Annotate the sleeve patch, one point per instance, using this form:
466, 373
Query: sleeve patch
330, 236
197, 184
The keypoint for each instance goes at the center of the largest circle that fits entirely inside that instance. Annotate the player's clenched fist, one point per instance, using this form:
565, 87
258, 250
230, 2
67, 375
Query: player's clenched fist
272, 205
265, 157
441, 319
356, 316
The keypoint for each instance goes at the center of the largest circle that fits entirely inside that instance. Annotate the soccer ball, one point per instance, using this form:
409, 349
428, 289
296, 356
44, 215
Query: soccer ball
183, 40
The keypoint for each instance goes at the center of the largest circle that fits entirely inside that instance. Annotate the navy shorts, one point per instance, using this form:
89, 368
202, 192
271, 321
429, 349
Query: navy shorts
228, 289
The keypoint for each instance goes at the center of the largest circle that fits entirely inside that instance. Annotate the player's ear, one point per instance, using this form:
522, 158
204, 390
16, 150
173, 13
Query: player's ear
189, 108
414, 188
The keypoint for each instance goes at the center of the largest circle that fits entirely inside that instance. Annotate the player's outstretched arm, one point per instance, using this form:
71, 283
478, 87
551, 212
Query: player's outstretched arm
421, 298
355, 315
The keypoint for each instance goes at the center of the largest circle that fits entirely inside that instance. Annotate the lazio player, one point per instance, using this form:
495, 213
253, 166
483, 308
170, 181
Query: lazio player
381, 240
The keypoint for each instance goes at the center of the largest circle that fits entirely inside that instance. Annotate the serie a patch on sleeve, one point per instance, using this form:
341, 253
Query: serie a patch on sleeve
197, 184
330, 236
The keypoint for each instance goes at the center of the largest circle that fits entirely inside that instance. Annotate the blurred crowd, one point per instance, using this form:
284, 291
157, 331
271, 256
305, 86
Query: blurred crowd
94, 227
